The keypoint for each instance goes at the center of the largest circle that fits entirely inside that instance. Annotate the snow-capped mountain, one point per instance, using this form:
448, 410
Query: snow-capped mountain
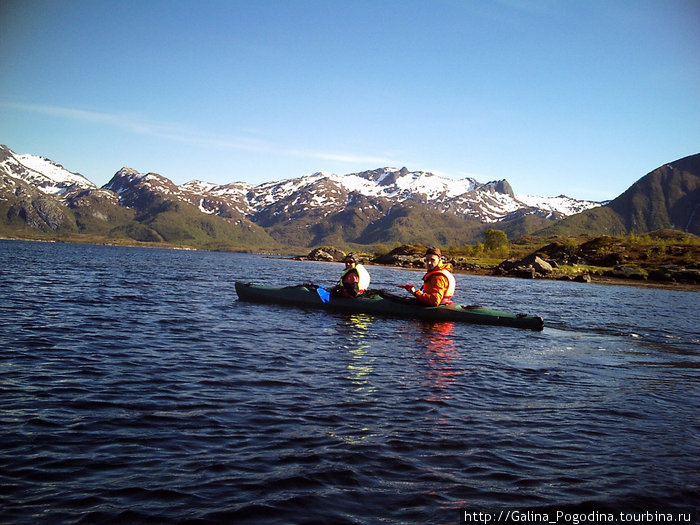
134, 189
226, 200
328, 192
380, 205
561, 205
322, 192
41, 173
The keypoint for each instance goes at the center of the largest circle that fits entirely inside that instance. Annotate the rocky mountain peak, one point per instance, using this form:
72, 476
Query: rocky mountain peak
498, 186
127, 178
5, 153
389, 177
43, 174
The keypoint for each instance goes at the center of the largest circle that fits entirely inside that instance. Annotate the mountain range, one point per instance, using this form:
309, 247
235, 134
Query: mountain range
383, 206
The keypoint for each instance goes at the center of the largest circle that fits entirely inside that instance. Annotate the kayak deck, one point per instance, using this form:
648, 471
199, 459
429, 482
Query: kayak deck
382, 303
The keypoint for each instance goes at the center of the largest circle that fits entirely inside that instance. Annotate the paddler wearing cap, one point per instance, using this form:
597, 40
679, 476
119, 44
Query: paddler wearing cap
353, 281
438, 283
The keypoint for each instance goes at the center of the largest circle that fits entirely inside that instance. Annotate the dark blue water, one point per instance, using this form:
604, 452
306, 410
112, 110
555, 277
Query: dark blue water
134, 387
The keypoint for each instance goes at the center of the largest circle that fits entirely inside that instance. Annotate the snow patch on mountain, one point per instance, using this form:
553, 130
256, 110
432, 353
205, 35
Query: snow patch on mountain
432, 186
220, 190
199, 186
483, 205
208, 211
393, 183
561, 204
45, 175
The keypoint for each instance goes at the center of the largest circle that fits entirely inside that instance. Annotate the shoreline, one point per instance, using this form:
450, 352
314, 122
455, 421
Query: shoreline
484, 272
598, 279
595, 279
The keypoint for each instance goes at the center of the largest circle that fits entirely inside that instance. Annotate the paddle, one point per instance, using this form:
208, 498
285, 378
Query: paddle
324, 294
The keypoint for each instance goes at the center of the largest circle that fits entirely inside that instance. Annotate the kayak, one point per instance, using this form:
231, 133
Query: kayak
378, 302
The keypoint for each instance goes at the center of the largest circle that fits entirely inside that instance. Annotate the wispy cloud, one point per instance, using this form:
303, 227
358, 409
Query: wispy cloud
137, 124
342, 157
130, 122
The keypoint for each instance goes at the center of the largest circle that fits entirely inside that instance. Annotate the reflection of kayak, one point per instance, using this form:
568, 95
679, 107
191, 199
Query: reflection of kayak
382, 303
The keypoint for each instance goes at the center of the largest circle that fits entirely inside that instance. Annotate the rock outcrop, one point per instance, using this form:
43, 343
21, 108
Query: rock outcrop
529, 267
325, 253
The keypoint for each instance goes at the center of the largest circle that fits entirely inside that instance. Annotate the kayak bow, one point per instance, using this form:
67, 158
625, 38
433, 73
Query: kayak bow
382, 303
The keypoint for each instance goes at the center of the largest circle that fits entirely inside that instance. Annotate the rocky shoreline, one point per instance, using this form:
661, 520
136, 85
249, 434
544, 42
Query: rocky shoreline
538, 266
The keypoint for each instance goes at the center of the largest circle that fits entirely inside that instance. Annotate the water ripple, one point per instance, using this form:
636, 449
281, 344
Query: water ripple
136, 389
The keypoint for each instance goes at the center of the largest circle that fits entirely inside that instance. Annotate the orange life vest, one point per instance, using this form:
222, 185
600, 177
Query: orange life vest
452, 283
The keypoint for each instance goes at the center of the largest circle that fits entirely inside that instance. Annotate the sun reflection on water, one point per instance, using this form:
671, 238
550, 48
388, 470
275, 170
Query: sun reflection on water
360, 364
441, 352
359, 370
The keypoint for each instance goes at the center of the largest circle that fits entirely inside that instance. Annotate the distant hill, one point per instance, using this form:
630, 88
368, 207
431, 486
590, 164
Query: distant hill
668, 197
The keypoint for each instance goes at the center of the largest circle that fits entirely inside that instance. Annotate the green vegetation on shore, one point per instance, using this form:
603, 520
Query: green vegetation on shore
663, 255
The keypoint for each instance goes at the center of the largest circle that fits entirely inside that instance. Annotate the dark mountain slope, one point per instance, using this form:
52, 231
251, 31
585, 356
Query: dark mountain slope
163, 212
25, 208
414, 223
668, 197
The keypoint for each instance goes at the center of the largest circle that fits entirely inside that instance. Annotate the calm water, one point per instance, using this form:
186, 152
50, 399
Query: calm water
134, 387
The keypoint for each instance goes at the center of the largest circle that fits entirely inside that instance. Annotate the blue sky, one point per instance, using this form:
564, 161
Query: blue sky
579, 97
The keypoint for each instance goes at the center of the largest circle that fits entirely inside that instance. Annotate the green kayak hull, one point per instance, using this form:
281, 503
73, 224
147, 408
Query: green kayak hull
383, 304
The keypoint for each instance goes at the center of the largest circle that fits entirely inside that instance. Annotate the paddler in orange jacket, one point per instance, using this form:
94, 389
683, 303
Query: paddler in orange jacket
438, 283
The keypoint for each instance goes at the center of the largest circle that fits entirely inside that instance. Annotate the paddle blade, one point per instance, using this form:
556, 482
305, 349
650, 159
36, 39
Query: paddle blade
324, 294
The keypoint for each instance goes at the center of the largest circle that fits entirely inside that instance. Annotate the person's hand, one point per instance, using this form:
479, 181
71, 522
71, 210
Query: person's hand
408, 287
